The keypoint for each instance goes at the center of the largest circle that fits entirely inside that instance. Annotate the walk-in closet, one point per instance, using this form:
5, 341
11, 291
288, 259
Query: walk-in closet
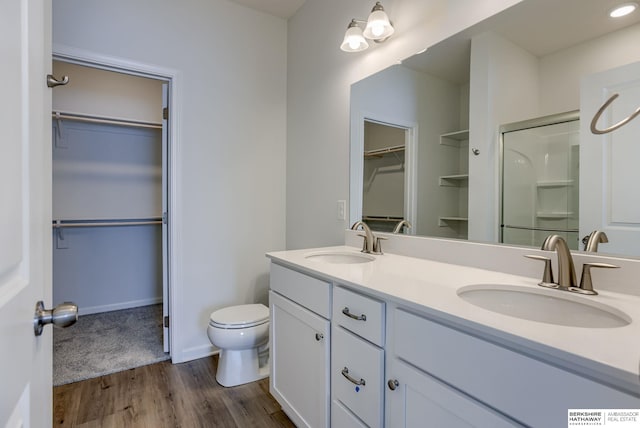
109, 199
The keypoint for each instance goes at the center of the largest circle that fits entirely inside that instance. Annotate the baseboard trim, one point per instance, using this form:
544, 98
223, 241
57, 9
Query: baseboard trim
118, 306
194, 353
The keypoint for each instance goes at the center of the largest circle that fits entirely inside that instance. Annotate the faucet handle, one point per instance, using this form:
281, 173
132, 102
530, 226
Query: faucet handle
586, 282
377, 244
547, 275
364, 242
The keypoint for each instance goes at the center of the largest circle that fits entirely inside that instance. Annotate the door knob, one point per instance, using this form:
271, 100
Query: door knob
63, 315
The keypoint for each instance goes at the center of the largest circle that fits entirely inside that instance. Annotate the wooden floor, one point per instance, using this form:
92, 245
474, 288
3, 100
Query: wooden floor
166, 395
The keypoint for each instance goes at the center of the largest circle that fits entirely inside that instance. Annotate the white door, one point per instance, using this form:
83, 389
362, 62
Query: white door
609, 173
25, 216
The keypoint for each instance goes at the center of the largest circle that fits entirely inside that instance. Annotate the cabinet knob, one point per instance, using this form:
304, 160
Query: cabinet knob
393, 384
319, 336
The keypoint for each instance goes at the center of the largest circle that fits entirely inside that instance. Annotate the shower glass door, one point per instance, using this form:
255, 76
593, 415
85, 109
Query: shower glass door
539, 180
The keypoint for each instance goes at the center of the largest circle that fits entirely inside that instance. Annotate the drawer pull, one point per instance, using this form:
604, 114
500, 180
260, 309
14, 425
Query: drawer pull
319, 336
362, 317
393, 384
345, 373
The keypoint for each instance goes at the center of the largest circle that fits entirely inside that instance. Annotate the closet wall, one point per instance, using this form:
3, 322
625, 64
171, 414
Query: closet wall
106, 173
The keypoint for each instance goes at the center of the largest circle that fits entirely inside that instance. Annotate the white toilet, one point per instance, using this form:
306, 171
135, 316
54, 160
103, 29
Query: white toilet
242, 335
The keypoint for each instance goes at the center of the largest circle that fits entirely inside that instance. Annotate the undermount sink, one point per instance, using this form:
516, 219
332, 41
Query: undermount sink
542, 305
340, 257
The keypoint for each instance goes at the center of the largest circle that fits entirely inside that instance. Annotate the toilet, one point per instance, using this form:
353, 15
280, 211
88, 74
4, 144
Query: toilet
242, 335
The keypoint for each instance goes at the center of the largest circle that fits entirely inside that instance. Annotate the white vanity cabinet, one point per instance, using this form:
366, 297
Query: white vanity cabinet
343, 357
300, 338
485, 383
415, 399
357, 359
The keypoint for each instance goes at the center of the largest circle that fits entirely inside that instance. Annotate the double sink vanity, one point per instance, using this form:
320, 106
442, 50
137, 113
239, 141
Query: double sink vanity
401, 341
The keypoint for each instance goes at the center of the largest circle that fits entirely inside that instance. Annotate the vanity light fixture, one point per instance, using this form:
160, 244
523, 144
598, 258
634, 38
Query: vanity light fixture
377, 28
623, 10
354, 40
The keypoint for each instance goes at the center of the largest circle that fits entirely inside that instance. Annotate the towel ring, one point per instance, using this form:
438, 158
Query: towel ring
612, 128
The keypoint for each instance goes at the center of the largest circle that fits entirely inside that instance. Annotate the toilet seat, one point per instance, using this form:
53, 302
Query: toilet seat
241, 316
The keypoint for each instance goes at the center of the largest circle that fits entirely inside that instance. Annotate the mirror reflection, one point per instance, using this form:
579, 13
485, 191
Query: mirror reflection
448, 104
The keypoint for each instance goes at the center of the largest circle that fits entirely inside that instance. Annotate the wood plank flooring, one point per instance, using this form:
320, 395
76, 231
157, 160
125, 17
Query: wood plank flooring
166, 395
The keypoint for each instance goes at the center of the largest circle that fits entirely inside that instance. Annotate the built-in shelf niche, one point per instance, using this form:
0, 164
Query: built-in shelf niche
455, 182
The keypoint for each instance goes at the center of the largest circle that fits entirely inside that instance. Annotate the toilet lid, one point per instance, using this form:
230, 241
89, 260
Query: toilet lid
240, 316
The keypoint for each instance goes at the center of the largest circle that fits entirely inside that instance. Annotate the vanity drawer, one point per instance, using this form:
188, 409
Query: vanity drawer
341, 417
360, 314
312, 293
355, 358
498, 376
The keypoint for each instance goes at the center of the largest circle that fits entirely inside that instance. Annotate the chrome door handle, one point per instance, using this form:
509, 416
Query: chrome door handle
345, 373
362, 317
63, 315
52, 82
393, 384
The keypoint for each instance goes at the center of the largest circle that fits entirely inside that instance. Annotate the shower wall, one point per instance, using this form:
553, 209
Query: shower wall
540, 184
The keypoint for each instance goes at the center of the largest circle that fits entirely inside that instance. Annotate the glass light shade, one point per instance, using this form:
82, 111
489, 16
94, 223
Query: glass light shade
353, 39
378, 25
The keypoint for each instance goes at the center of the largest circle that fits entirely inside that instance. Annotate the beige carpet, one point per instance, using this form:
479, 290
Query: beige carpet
108, 342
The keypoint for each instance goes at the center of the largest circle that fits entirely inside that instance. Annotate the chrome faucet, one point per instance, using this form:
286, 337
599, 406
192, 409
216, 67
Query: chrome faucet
400, 225
371, 244
566, 270
596, 237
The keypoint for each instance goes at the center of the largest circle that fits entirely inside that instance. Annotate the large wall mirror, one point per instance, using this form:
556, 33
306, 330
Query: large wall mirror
537, 60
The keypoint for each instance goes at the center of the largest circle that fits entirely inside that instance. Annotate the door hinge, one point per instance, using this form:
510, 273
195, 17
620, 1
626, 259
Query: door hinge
165, 217
165, 113
166, 322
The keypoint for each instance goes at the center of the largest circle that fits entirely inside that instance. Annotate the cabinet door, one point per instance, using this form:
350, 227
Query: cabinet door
299, 362
420, 401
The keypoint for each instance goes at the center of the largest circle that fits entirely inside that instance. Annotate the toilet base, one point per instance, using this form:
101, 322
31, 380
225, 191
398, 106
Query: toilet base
237, 367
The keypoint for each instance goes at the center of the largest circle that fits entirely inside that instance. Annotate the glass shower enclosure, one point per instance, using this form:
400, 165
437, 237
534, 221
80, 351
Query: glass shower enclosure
539, 180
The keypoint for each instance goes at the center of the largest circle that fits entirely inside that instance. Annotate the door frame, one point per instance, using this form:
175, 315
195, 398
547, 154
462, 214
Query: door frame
172, 77
357, 165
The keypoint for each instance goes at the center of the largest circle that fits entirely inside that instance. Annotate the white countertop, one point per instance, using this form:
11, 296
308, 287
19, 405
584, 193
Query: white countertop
609, 355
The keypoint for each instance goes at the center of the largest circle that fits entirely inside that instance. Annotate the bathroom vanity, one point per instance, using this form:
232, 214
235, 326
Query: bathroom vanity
390, 340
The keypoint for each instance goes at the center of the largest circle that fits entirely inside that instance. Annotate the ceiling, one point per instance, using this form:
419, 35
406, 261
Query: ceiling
280, 8
541, 27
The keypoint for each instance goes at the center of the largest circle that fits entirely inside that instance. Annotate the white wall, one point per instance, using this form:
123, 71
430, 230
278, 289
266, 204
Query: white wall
318, 86
230, 172
561, 72
504, 89
400, 95
103, 93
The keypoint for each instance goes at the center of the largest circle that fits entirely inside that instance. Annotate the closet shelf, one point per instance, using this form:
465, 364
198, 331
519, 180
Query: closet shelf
58, 115
443, 221
61, 224
382, 218
454, 180
455, 139
383, 151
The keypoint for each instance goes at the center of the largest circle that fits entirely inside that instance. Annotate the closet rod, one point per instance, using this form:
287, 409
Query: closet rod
58, 224
105, 120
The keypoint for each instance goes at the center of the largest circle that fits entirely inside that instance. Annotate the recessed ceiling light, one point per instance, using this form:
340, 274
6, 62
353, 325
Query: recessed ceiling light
623, 10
